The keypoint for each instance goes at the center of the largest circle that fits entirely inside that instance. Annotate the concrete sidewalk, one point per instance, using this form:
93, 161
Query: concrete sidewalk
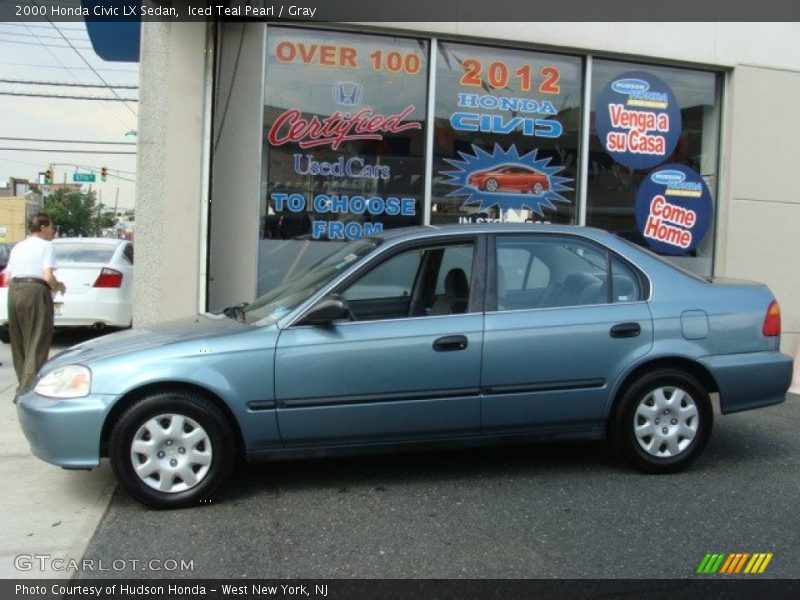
46, 510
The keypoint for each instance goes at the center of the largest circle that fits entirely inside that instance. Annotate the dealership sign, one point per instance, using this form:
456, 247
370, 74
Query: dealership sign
366, 124
673, 209
507, 180
638, 120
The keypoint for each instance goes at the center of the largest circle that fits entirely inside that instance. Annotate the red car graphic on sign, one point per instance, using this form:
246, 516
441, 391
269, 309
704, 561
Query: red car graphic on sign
510, 177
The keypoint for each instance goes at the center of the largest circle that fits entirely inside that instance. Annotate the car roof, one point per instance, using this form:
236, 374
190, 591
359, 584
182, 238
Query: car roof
429, 231
89, 240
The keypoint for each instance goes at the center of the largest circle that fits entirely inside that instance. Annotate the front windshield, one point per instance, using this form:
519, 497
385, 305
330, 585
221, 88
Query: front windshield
288, 296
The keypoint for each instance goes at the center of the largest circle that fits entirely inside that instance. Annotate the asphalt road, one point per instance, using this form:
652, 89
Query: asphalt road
566, 510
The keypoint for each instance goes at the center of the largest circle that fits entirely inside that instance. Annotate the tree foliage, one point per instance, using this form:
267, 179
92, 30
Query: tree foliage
75, 214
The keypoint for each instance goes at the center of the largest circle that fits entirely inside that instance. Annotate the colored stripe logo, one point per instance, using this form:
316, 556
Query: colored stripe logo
737, 562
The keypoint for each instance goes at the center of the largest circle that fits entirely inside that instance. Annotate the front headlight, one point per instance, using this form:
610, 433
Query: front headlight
72, 381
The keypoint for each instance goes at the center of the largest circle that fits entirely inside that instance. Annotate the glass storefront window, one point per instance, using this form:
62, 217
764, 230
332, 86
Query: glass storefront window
653, 158
345, 129
506, 135
344, 132
343, 142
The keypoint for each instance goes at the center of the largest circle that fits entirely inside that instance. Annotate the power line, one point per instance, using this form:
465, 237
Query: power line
83, 58
66, 97
63, 84
47, 37
69, 70
10, 64
39, 26
23, 139
62, 151
40, 44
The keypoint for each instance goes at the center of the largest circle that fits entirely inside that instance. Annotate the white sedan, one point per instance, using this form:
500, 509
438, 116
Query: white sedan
98, 273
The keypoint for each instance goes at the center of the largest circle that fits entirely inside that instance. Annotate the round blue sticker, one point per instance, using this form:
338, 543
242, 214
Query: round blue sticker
673, 209
638, 120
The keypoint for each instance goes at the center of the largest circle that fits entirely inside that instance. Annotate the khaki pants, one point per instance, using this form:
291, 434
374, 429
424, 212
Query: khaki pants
30, 327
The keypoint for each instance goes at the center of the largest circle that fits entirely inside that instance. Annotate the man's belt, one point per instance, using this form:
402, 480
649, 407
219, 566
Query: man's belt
29, 280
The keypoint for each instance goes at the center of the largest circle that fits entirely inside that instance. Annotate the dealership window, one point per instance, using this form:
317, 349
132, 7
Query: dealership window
346, 137
343, 143
653, 158
506, 132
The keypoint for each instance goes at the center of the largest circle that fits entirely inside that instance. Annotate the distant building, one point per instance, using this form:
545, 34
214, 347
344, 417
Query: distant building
19, 199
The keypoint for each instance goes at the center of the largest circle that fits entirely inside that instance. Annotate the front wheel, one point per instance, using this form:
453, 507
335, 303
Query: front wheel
663, 421
491, 185
172, 449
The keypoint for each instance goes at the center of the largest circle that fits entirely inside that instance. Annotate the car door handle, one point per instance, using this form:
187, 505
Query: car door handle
451, 343
626, 330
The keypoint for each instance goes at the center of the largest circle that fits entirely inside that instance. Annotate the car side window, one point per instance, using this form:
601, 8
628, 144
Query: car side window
625, 285
128, 253
432, 281
393, 278
544, 271
455, 257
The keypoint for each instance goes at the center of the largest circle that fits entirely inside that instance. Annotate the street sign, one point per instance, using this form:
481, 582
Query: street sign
83, 177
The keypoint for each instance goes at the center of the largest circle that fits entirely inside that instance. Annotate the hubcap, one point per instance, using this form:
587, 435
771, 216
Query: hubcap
666, 422
491, 185
171, 453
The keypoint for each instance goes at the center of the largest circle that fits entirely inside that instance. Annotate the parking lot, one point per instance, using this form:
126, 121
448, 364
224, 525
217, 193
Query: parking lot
561, 510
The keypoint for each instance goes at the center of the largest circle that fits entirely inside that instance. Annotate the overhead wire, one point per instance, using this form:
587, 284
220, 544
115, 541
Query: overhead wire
69, 70
26, 139
66, 84
68, 151
69, 97
83, 58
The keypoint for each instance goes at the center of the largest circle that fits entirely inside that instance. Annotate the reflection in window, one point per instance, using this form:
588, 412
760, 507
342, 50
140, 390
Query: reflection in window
612, 186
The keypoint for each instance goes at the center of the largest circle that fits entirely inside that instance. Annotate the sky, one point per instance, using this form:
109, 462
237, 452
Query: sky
38, 52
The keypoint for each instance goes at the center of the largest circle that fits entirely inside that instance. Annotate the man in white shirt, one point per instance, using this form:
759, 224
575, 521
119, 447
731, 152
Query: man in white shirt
32, 282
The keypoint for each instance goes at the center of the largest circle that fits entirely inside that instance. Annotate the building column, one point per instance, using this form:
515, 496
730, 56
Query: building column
170, 239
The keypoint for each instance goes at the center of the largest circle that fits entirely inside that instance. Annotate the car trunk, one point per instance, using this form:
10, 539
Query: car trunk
79, 277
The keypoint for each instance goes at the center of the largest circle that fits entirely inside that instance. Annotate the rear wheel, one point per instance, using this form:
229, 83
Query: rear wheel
663, 421
172, 449
538, 189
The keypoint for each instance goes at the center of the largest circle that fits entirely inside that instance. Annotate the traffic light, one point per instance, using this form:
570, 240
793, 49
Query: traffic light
48, 176
103, 174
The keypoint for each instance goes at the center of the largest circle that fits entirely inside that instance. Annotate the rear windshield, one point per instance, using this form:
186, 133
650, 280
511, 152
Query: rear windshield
74, 253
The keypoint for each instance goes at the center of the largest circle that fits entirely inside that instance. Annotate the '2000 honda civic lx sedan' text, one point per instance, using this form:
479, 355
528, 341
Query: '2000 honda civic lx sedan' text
419, 337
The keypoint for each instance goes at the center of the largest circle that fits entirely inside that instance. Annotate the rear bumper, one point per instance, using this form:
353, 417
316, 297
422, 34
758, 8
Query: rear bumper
748, 381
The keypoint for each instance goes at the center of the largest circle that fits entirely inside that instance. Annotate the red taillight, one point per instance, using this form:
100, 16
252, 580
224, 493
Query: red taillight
772, 321
3, 280
108, 278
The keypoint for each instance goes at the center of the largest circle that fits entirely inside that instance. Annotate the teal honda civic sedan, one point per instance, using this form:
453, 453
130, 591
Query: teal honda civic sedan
422, 337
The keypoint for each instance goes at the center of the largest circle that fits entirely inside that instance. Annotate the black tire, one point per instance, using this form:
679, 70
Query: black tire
5, 335
168, 410
670, 448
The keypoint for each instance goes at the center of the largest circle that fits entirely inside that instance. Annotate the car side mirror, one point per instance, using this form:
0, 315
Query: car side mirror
327, 310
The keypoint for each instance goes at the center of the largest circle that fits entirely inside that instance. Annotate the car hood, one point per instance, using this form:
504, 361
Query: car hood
143, 338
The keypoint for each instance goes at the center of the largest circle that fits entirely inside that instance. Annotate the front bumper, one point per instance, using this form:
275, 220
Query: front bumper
64, 432
752, 380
